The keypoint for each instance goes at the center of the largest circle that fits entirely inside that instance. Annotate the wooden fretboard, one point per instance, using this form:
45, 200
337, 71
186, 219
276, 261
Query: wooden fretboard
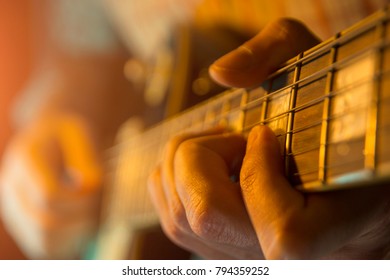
327, 106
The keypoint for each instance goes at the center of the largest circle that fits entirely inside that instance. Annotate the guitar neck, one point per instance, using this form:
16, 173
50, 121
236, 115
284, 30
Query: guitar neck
327, 107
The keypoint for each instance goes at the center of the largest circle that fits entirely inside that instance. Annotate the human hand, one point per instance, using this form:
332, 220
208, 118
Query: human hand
203, 211
344, 224
200, 208
50, 187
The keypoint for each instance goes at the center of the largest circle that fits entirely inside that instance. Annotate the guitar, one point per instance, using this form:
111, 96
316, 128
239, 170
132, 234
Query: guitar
327, 107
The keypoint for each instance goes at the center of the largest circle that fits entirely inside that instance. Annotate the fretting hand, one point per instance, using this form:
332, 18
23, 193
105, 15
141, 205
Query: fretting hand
202, 210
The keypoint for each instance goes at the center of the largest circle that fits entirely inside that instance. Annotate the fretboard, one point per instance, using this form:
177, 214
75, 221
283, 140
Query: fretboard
327, 106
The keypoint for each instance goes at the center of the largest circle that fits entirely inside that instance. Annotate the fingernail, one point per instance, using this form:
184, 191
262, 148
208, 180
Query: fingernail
237, 60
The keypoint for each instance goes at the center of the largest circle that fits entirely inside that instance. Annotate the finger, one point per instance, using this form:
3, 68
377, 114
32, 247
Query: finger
168, 177
177, 226
290, 224
268, 196
182, 238
251, 63
213, 203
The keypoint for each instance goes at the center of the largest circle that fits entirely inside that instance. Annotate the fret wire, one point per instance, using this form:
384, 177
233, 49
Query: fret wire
269, 95
254, 103
209, 118
317, 101
303, 128
326, 167
298, 108
290, 118
332, 117
330, 143
210, 115
225, 112
203, 117
155, 129
265, 107
371, 135
244, 100
370, 145
336, 41
333, 67
310, 171
325, 123
314, 76
311, 125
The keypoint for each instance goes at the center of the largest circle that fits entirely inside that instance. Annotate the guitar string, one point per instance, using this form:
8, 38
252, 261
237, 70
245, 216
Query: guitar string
301, 107
319, 52
340, 39
201, 110
301, 173
220, 100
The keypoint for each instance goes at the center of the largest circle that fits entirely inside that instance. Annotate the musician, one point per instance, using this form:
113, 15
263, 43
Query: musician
52, 169
202, 210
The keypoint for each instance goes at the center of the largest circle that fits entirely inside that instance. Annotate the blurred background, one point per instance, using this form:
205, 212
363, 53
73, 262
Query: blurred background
16, 56
96, 59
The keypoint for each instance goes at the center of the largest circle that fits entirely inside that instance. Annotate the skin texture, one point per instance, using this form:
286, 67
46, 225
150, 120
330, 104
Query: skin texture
261, 216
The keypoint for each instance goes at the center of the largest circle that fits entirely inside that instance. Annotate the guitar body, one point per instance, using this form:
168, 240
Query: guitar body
328, 108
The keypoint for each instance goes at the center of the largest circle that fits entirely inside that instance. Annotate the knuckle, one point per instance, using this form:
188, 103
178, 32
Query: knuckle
293, 33
288, 23
205, 223
287, 30
186, 149
189, 155
284, 27
248, 177
190, 145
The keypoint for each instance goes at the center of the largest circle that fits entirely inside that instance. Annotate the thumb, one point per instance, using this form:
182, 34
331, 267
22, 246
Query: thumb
253, 61
290, 224
262, 175
268, 196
